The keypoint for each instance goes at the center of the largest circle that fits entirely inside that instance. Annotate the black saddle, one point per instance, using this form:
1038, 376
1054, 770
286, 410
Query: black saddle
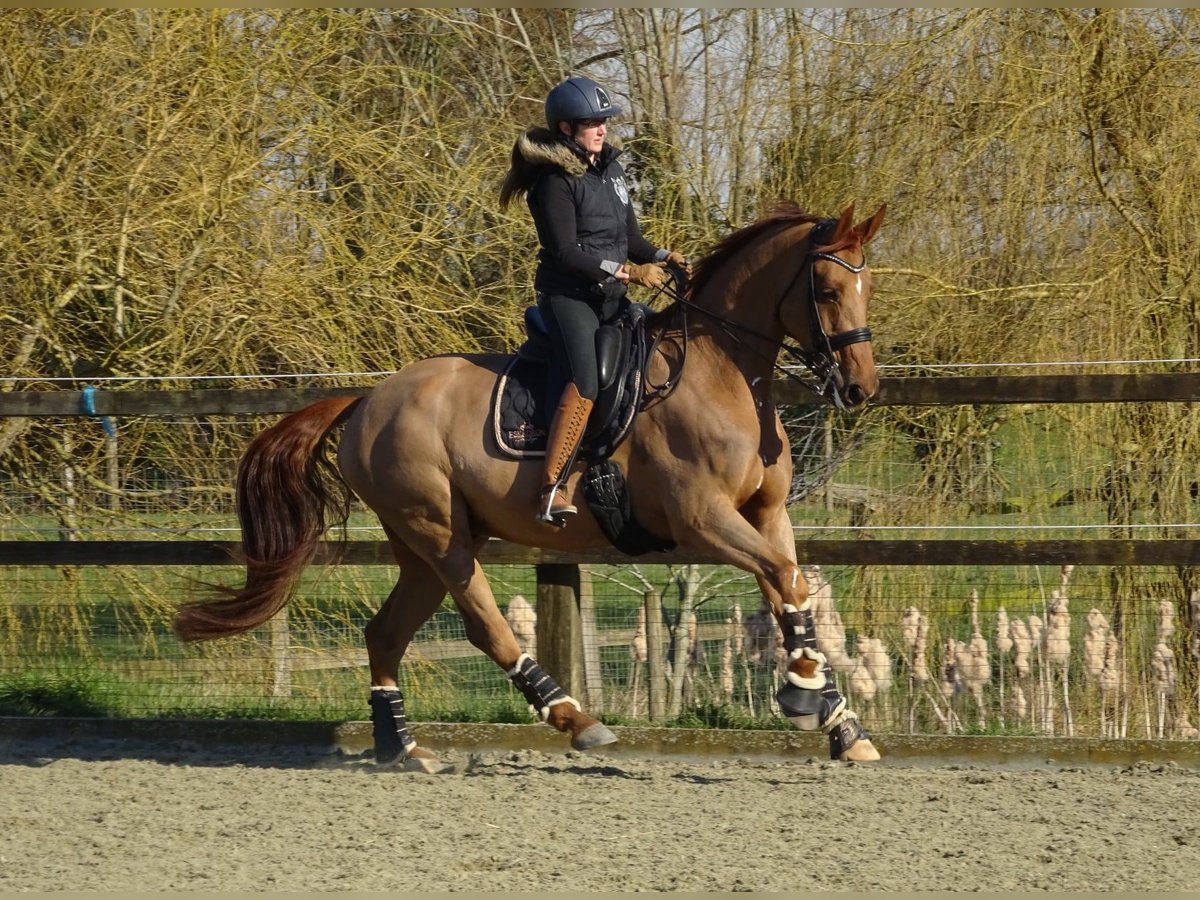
528, 390
527, 393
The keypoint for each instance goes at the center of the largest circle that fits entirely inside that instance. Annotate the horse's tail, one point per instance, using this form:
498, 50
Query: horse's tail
284, 504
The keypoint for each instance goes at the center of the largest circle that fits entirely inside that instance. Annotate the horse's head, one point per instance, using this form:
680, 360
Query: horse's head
753, 286
826, 311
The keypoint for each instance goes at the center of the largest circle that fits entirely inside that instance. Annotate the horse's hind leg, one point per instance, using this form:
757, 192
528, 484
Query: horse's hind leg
417, 595
450, 551
490, 632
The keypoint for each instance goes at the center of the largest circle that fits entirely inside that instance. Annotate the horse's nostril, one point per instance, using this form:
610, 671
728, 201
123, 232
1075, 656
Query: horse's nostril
856, 395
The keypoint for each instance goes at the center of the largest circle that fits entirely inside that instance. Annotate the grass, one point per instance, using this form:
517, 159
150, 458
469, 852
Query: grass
726, 716
89, 695
997, 729
68, 694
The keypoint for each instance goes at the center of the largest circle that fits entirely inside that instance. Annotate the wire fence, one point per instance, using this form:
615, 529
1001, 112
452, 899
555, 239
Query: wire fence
1090, 650
947, 650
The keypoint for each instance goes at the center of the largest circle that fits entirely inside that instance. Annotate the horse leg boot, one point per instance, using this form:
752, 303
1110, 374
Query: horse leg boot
389, 727
556, 707
810, 698
566, 433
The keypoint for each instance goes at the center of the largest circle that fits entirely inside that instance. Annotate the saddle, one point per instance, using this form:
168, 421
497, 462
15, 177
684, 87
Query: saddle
526, 395
527, 391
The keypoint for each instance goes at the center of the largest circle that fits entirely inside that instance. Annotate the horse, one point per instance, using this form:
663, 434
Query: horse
706, 460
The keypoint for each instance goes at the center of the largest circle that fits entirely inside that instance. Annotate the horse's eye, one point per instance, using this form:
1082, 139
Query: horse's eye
830, 295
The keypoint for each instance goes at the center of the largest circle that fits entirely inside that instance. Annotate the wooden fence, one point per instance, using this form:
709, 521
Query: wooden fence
560, 623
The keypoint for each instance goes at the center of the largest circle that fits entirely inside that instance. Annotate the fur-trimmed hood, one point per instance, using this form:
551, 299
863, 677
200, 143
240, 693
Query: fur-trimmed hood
540, 148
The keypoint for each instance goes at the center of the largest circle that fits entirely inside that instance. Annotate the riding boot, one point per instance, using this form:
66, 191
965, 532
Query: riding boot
566, 432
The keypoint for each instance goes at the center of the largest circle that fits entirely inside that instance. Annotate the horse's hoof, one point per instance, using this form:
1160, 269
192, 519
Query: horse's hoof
850, 742
861, 750
428, 766
421, 760
596, 735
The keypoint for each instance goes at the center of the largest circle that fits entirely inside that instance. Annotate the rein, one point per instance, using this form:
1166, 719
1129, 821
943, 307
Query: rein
819, 361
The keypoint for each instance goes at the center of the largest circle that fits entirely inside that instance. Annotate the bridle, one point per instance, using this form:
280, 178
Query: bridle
819, 360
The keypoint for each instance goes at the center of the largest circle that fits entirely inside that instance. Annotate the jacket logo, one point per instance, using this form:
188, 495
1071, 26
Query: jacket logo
622, 192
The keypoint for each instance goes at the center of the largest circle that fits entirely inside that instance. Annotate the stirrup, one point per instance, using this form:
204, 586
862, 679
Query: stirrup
553, 514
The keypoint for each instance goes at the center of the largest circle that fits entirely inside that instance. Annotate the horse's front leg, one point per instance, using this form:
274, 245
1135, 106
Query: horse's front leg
767, 549
809, 696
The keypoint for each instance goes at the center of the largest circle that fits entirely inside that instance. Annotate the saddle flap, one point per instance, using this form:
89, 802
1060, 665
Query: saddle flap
612, 349
527, 390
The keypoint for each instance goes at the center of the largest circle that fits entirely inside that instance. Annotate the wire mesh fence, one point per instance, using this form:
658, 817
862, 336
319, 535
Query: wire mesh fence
992, 650
1090, 650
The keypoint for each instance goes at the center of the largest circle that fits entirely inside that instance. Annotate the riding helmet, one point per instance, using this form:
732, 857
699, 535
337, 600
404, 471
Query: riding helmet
577, 98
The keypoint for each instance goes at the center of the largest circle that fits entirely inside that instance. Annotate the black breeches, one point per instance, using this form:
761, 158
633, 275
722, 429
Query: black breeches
572, 324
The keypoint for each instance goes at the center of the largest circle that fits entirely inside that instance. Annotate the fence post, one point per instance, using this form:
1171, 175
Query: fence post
559, 629
656, 681
281, 654
592, 675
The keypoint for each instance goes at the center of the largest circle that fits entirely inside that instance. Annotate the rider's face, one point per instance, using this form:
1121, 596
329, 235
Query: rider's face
589, 134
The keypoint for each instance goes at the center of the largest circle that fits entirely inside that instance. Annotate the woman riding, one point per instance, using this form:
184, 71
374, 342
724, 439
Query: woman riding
587, 229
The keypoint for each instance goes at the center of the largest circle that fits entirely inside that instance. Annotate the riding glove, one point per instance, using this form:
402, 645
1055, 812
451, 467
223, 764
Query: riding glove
651, 275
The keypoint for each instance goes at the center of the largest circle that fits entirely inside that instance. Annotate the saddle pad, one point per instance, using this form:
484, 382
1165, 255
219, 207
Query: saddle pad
521, 414
519, 419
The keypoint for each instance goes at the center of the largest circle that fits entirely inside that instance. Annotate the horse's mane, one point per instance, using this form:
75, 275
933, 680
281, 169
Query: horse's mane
785, 214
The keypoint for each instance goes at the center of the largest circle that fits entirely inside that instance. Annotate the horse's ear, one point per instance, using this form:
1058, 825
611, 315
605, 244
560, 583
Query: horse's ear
845, 223
866, 230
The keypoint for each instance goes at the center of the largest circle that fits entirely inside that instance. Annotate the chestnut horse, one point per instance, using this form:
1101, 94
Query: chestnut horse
707, 466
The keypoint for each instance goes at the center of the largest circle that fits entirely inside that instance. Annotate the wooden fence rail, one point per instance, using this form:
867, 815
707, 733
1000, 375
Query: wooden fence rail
909, 391
865, 552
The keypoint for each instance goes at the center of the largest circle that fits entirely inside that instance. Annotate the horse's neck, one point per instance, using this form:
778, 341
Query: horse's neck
740, 328
727, 355
728, 375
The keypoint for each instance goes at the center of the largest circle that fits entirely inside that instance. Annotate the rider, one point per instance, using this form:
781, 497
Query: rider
586, 229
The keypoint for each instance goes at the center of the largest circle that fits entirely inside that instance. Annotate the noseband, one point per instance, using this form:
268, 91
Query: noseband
820, 359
